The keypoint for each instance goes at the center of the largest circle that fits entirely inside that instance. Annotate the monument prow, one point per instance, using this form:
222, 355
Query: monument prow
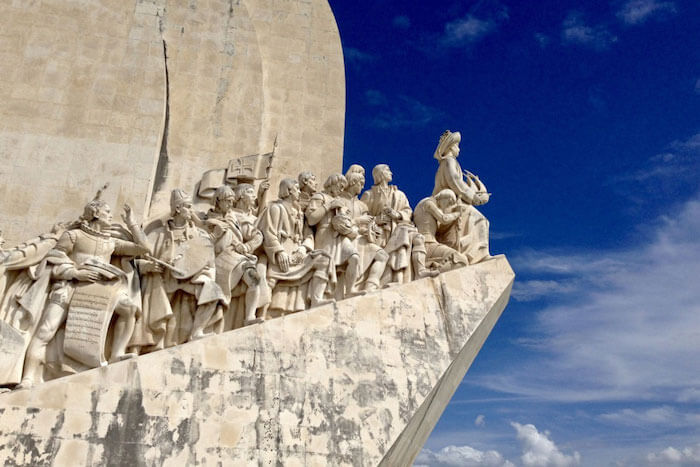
358, 382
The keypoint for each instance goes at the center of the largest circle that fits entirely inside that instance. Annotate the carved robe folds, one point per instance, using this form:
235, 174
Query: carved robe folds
182, 298
284, 231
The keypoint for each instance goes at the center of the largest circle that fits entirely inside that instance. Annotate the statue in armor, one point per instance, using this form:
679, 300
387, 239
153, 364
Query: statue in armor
297, 273
181, 298
399, 237
84, 283
373, 258
435, 213
470, 234
236, 239
336, 234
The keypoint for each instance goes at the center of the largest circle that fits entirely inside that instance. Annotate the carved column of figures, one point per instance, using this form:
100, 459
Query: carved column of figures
93, 291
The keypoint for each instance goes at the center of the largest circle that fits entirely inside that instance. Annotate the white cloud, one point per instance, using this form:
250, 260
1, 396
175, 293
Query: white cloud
671, 457
576, 31
628, 330
540, 451
664, 415
402, 112
401, 22
529, 290
639, 11
480, 420
466, 30
461, 456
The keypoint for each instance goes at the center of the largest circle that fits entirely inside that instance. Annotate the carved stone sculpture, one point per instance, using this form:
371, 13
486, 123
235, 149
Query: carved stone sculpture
85, 290
433, 214
308, 186
373, 258
470, 235
297, 273
336, 234
400, 238
236, 265
181, 298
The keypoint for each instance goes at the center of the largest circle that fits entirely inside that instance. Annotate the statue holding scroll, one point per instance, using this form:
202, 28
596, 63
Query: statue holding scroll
86, 290
470, 235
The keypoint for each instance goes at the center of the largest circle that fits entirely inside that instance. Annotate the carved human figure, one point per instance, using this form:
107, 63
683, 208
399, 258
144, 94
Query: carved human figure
336, 234
181, 299
82, 256
470, 235
373, 258
308, 186
296, 271
235, 241
400, 238
24, 285
433, 214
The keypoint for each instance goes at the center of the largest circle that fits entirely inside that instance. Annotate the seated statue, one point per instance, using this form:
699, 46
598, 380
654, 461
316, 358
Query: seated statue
235, 240
335, 234
297, 273
470, 234
181, 298
373, 258
431, 215
400, 238
85, 287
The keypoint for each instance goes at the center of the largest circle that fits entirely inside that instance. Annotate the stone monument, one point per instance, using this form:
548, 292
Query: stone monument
242, 316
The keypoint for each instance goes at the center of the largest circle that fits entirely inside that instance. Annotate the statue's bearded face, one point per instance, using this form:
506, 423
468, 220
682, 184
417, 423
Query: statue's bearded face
454, 150
294, 191
248, 196
310, 184
226, 204
184, 209
103, 215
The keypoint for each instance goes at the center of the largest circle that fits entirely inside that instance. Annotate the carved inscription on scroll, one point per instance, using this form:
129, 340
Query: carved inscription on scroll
89, 315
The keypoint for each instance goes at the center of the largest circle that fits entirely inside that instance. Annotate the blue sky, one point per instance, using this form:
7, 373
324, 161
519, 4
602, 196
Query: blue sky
583, 119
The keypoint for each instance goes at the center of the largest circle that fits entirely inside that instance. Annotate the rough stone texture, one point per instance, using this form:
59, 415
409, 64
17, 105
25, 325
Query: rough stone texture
361, 382
83, 98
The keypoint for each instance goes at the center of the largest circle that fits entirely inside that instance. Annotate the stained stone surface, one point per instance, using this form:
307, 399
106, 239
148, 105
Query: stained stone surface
361, 382
84, 99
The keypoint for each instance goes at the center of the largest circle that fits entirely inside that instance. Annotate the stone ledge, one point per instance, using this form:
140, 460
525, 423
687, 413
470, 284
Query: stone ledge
360, 382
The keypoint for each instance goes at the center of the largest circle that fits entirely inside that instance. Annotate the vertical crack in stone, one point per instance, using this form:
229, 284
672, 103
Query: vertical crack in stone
226, 66
162, 167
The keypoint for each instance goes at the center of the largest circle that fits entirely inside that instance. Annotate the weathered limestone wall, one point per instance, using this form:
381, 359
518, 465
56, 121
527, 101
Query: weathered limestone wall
358, 383
83, 98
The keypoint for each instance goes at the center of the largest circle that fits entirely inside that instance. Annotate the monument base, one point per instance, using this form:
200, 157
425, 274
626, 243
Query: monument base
359, 382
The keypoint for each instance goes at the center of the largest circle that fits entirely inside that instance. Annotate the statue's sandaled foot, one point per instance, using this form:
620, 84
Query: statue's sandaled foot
126, 356
248, 322
196, 336
427, 273
25, 384
323, 301
355, 293
4, 390
369, 288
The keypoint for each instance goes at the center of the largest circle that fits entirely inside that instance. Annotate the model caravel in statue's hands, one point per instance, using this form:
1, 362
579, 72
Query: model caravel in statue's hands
94, 292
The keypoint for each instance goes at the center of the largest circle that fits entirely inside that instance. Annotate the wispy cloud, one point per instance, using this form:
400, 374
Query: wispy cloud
627, 329
400, 111
639, 11
664, 415
480, 420
473, 26
575, 30
542, 39
401, 22
357, 57
540, 451
461, 456
680, 161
